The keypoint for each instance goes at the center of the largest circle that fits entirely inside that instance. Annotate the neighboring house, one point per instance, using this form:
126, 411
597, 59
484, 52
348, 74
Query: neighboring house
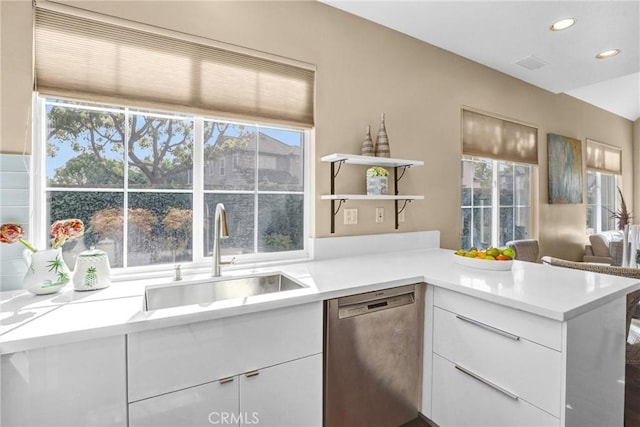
278, 165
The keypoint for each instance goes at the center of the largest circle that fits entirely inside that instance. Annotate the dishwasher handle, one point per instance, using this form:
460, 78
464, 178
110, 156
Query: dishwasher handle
372, 306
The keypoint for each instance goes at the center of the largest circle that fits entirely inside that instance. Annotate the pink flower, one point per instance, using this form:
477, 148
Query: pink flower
60, 230
12, 233
64, 230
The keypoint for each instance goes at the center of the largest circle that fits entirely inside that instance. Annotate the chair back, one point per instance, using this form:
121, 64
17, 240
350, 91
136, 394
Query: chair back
526, 249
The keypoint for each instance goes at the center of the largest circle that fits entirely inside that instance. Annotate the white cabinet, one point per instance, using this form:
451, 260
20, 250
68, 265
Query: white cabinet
496, 366
289, 394
273, 359
79, 384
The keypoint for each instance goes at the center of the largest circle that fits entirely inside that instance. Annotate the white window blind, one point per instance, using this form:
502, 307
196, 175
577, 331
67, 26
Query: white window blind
492, 137
604, 158
105, 60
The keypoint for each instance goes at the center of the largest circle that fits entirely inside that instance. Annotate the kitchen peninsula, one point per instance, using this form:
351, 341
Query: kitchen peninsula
536, 344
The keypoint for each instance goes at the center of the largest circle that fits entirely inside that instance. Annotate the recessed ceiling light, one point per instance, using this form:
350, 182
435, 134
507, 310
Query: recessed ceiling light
608, 53
563, 24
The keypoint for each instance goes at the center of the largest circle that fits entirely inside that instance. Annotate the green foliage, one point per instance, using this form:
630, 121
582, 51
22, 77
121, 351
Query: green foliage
87, 169
285, 228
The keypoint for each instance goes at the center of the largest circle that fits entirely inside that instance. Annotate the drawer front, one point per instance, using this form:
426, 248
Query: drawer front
529, 370
169, 359
461, 400
526, 325
203, 405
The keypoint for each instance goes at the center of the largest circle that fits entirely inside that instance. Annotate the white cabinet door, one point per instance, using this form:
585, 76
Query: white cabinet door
289, 394
79, 384
208, 404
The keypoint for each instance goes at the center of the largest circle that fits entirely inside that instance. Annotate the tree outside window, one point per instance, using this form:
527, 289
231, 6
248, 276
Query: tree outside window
130, 175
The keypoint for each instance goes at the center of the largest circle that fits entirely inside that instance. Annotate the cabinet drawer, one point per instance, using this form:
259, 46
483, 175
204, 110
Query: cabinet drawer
529, 370
195, 406
526, 325
460, 400
169, 359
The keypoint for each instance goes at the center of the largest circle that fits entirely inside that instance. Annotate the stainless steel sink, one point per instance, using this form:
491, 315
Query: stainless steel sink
208, 291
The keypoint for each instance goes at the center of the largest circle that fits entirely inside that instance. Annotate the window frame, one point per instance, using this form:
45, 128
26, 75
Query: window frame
598, 204
40, 230
495, 197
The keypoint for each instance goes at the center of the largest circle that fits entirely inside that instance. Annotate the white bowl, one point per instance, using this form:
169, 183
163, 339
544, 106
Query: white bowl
483, 263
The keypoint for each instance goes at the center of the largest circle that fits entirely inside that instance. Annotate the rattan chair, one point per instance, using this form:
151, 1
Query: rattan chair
526, 250
633, 298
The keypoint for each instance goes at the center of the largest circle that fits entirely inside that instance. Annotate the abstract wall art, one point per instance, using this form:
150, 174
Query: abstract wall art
565, 169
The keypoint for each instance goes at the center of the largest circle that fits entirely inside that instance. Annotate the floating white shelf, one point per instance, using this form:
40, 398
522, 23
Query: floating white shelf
354, 159
370, 197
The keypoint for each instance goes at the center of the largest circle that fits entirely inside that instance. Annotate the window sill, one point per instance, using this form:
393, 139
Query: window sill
192, 269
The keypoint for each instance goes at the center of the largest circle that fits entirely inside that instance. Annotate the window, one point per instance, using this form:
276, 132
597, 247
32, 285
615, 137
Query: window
497, 159
604, 165
496, 202
142, 182
221, 170
601, 201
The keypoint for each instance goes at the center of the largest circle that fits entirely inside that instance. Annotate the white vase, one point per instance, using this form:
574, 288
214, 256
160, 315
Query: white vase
377, 185
46, 271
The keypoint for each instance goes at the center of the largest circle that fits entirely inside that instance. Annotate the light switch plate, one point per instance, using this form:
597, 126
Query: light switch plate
379, 214
350, 216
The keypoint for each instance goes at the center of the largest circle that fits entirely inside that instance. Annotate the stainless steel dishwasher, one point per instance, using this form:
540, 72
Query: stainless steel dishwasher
373, 358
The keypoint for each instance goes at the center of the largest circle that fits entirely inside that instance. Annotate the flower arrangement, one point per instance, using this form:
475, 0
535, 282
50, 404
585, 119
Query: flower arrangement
377, 171
60, 230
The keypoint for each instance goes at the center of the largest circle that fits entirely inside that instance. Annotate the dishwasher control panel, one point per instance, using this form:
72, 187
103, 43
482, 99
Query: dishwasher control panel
375, 301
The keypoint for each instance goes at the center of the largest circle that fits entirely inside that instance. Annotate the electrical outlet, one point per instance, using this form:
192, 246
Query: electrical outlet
401, 216
350, 216
379, 214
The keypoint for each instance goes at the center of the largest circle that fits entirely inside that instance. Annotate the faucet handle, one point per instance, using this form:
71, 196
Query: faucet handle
177, 269
231, 261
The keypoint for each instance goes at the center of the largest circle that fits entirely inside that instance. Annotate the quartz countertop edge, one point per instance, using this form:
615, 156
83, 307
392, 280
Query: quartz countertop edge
68, 316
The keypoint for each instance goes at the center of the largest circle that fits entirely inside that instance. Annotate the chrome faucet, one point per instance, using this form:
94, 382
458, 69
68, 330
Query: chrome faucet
220, 231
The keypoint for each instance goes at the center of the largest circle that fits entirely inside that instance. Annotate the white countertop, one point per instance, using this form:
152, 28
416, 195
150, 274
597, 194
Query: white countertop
28, 321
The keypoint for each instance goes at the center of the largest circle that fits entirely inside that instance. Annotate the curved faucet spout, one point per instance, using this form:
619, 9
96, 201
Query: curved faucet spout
220, 231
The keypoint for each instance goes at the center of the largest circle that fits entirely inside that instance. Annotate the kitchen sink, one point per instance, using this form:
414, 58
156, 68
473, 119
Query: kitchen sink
211, 290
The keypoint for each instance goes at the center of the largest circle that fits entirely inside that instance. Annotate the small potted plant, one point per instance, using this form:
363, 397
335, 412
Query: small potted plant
377, 180
622, 215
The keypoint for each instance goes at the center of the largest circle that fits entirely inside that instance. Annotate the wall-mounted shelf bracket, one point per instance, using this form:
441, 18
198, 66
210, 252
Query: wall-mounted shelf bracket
334, 212
398, 211
404, 205
395, 173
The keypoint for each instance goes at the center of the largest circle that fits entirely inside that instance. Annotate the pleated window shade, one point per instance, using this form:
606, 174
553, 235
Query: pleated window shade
486, 136
604, 158
87, 58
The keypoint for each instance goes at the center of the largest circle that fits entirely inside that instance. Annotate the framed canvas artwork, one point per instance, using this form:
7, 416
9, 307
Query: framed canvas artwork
565, 169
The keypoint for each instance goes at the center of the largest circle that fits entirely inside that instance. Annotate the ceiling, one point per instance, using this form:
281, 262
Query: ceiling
500, 34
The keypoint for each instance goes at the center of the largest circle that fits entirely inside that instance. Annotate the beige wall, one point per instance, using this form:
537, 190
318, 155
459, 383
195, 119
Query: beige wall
636, 171
362, 70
